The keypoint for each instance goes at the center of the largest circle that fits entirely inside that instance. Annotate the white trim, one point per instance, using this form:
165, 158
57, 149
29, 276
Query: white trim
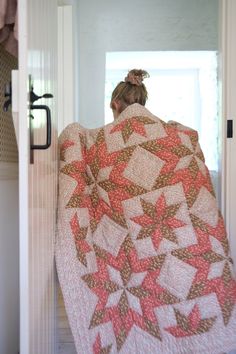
8, 170
66, 76
23, 177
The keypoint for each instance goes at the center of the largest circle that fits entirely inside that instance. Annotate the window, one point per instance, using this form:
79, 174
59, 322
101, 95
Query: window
182, 87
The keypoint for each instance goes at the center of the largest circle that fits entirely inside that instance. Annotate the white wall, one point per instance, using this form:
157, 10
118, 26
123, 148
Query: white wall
135, 25
9, 266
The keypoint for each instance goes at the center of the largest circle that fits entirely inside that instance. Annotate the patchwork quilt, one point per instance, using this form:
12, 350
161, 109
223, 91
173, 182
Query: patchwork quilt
141, 251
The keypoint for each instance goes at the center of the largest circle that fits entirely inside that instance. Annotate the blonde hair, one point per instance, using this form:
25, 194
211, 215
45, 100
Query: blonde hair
131, 90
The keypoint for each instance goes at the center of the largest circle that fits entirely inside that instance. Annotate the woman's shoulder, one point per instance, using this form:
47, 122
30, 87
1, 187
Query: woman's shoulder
71, 131
181, 128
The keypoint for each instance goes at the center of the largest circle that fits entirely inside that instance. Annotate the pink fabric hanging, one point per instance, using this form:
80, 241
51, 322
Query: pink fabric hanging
9, 26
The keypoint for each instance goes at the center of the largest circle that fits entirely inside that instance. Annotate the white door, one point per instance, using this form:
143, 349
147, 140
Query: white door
38, 181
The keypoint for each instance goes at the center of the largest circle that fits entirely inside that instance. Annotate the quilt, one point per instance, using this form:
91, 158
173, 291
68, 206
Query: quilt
142, 253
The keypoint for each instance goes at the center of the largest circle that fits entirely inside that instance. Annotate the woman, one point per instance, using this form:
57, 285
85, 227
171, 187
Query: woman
130, 91
142, 254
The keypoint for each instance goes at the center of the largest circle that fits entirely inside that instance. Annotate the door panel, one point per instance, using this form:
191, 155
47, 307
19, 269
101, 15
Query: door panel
38, 181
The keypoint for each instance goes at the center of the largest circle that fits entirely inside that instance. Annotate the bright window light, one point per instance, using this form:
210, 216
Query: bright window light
182, 87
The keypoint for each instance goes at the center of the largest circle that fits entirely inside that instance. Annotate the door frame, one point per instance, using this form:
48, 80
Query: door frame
66, 67
228, 111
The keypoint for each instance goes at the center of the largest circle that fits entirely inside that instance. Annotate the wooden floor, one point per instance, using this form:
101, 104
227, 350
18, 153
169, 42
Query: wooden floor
64, 335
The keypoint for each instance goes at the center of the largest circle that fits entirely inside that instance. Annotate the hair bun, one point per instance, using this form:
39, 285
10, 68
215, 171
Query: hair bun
136, 77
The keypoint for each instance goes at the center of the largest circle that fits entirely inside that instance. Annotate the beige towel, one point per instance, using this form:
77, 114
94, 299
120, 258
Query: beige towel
9, 25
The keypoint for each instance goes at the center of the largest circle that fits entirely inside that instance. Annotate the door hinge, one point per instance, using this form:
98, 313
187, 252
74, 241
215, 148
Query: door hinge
229, 128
